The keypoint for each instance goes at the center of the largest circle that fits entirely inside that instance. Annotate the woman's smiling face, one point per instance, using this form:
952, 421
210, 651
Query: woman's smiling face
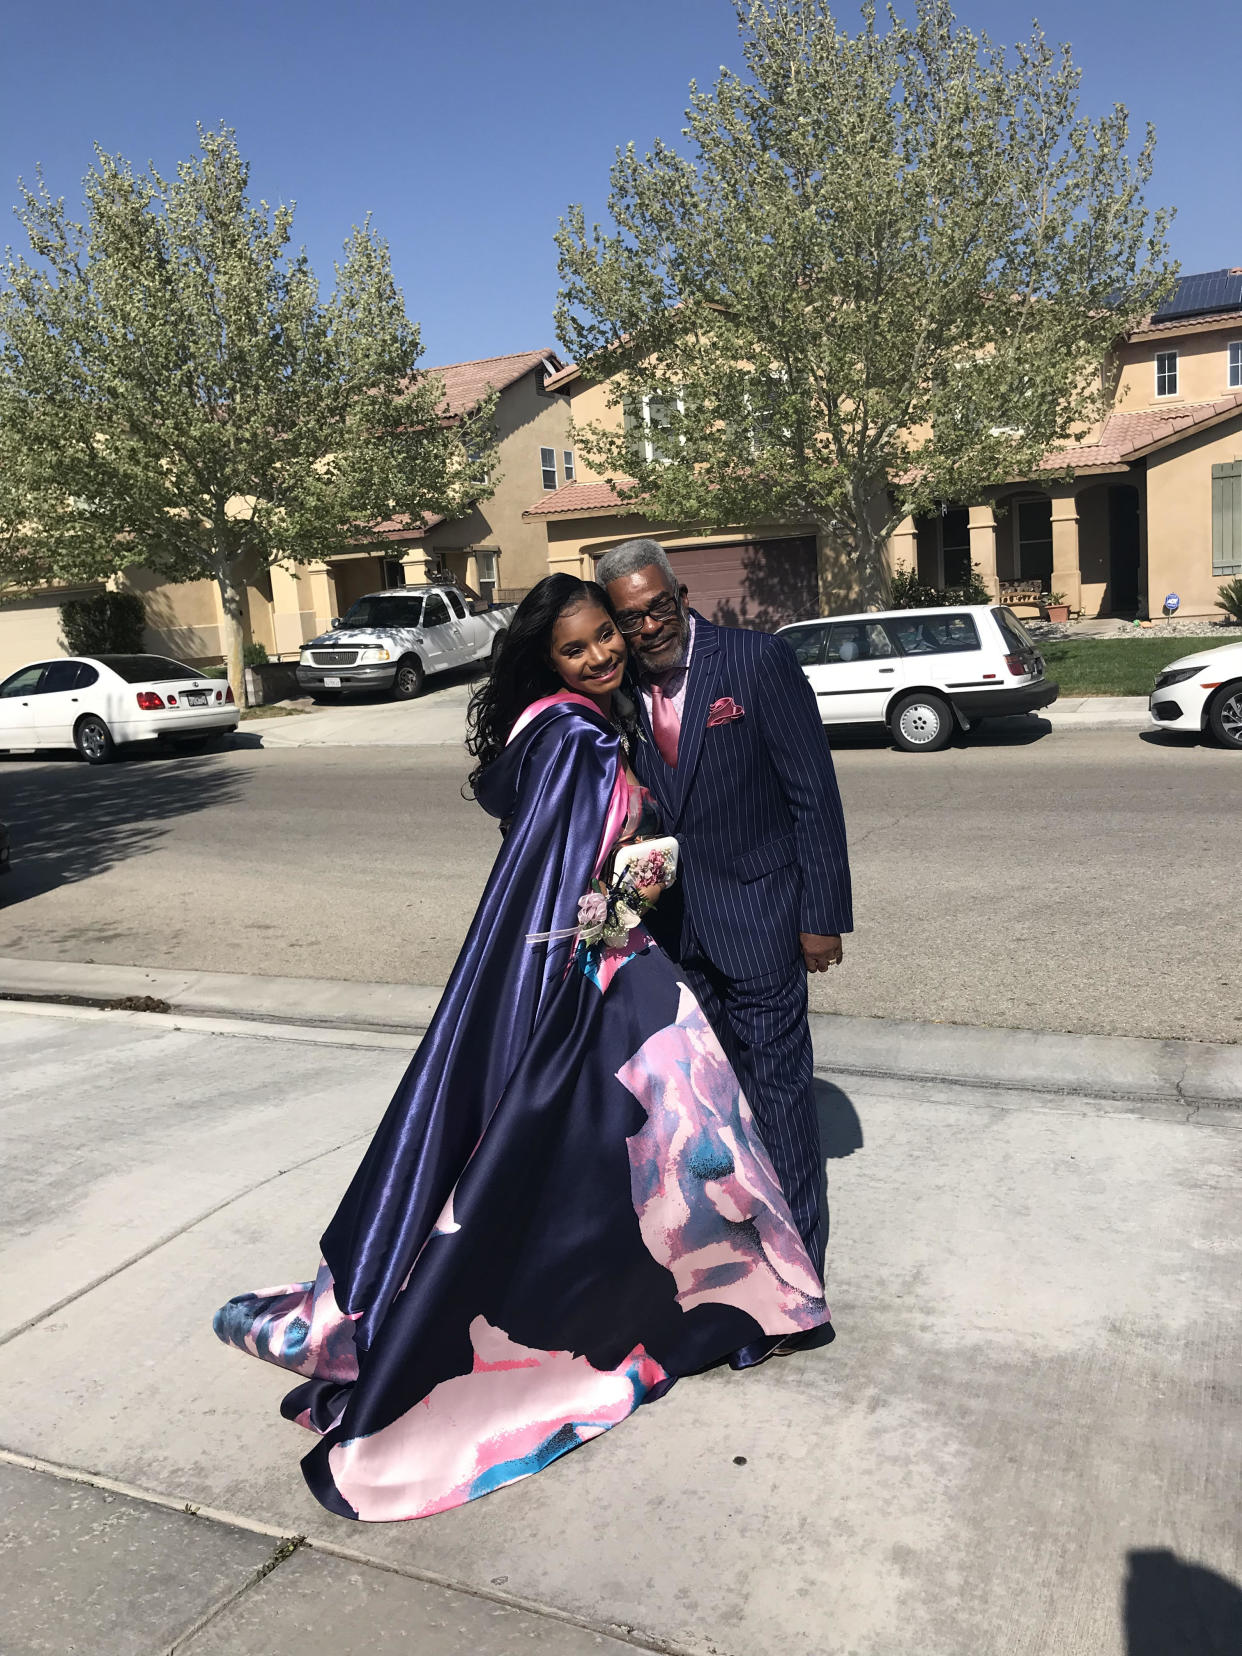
587, 650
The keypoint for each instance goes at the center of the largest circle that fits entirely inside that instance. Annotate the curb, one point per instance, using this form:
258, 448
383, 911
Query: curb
1113, 1067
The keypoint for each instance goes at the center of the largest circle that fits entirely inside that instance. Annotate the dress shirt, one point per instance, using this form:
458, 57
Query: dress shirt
673, 683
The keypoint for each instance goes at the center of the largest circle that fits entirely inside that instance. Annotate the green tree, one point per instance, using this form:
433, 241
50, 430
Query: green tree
888, 275
174, 392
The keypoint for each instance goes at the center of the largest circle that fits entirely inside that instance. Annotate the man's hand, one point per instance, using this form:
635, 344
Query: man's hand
820, 952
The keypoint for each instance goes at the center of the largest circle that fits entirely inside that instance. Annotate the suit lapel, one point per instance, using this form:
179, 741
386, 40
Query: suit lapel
704, 672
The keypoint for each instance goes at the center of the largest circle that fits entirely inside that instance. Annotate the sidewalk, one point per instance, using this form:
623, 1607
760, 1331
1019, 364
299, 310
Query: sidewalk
1105, 1066
438, 719
1030, 1408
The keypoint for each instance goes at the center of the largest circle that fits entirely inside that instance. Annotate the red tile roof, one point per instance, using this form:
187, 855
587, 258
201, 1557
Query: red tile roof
579, 497
1185, 324
402, 529
1126, 436
467, 383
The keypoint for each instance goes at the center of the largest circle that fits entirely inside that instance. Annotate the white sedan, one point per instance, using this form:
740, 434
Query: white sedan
1202, 691
94, 703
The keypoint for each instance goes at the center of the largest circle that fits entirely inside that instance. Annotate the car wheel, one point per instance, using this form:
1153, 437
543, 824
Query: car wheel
93, 740
1225, 716
410, 679
921, 723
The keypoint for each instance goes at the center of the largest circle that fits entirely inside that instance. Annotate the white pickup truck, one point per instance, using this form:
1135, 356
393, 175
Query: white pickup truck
393, 640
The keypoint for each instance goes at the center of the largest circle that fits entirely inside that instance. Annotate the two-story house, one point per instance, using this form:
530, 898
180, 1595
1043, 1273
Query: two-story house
1154, 506
496, 549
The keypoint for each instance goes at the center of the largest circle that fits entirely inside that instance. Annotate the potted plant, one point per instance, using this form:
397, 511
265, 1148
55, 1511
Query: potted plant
1054, 607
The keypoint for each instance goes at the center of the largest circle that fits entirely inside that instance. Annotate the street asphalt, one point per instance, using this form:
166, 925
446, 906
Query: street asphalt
1064, 879
1024, 1440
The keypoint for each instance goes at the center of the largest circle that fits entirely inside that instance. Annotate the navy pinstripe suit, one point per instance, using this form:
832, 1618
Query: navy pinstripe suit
755, 806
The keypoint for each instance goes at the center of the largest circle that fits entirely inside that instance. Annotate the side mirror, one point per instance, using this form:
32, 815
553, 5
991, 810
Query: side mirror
336, 621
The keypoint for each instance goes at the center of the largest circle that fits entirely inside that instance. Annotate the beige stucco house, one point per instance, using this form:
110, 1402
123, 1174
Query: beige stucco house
496, 550
1154, 506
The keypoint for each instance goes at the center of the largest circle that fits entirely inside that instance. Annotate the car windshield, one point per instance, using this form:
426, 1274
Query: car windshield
1012, 630
384, 612
147, 669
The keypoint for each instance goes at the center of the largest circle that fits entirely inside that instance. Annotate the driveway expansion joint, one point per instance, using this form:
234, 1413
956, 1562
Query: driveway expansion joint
649, 1644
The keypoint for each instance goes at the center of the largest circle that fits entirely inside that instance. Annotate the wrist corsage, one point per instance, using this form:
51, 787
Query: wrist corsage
608, 914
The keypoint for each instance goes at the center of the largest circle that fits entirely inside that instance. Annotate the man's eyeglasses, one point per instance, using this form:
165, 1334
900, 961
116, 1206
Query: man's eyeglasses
632, 622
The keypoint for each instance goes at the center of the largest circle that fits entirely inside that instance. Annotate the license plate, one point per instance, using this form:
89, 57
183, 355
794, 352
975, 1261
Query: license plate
331, 683
194, 698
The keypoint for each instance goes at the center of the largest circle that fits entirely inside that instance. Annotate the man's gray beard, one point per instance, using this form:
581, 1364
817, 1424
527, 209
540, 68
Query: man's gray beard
678, 663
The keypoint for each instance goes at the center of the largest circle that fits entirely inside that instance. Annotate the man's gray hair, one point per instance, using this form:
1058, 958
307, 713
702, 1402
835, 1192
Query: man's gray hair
630, 557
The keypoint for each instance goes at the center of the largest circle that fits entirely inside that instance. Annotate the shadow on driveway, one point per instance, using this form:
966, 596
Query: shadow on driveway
69, 820
1020, 731
1173, 1608
456, 678
840, 1133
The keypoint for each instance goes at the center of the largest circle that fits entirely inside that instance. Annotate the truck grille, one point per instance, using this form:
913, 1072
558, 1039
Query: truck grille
334, 658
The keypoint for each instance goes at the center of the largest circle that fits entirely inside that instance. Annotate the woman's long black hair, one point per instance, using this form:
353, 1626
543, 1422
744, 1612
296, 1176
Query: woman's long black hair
522, 671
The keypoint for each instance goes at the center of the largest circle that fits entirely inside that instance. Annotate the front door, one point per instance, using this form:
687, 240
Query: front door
1123, 551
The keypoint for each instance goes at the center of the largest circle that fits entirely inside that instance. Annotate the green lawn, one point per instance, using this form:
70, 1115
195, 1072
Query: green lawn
1115, 666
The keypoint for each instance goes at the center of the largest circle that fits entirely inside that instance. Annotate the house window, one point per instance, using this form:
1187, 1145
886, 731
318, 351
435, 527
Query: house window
1235, 364
1034, 522
1166, 373
655, 414
486, 565
1227, 518
568, 458
547, 459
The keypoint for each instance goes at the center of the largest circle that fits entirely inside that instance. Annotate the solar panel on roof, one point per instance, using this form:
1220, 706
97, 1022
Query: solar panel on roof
1214, 290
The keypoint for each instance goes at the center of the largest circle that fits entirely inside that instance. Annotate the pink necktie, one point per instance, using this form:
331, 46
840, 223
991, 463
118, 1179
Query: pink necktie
665, 726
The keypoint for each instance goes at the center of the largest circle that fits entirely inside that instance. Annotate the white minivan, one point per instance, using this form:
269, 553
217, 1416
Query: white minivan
923, 672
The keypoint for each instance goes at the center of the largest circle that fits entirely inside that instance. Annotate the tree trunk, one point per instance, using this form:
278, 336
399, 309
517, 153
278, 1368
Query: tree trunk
872, 567
232, 601
872, 521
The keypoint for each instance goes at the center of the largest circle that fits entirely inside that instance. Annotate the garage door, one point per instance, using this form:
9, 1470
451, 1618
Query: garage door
29, 631
751, 583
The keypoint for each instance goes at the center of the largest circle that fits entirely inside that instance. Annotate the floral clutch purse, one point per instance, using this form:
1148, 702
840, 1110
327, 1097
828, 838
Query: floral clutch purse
665, 852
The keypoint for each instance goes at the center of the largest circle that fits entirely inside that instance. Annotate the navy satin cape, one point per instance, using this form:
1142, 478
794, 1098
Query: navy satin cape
552, 784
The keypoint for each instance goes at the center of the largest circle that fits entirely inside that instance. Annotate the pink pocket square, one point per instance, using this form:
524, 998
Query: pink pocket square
724, 711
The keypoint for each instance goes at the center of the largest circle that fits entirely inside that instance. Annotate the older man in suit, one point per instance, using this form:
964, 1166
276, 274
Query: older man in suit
737, 755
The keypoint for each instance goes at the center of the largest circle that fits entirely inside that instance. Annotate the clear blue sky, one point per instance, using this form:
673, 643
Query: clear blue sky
467, 126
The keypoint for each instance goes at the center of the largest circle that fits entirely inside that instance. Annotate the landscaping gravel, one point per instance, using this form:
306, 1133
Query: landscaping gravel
1224, 632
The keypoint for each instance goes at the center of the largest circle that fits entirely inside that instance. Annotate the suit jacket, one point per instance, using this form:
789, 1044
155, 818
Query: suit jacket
755, 805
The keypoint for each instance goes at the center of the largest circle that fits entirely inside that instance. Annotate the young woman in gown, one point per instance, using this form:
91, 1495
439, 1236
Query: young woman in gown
566, 1205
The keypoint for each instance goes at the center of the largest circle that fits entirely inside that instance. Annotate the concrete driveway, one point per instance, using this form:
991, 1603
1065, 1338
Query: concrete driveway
437, 718
1025, 1439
